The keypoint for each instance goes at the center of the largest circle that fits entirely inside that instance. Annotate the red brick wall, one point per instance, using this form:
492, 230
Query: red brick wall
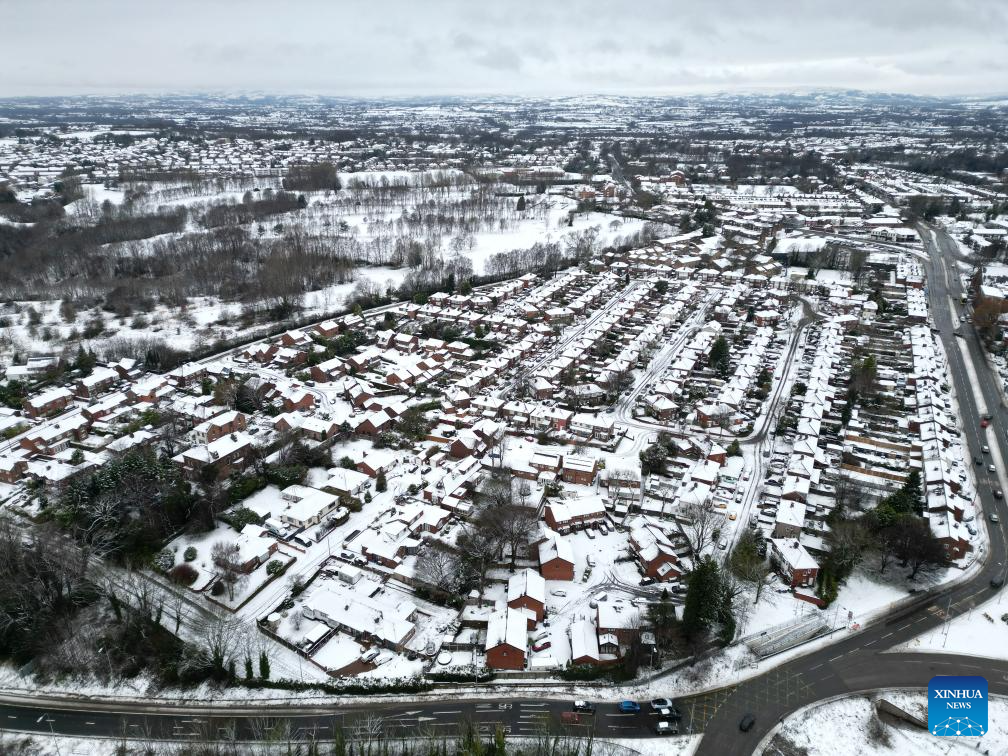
505, 657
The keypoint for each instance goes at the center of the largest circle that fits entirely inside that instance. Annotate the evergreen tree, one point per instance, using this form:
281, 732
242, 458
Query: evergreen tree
264, 666
521, 204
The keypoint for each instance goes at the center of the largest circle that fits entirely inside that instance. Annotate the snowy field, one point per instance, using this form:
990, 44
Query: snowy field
835, 728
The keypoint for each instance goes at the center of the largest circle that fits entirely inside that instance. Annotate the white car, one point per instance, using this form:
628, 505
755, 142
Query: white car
559, 593
370, 655
382, 659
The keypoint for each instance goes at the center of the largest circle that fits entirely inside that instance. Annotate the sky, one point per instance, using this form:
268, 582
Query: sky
515, 47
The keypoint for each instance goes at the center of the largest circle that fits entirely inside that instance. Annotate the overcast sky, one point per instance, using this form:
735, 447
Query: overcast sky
397, 47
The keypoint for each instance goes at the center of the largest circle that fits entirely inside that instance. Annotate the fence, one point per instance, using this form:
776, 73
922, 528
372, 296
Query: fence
787, 635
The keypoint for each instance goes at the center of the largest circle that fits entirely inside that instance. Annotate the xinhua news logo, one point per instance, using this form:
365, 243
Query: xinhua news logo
957, 705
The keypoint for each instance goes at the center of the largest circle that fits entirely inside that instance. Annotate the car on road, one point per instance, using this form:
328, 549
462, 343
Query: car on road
584, 707
985, 449
629, 707
746, 723
997, 495
984, 423
991, 469
570, 718
993, 516
668, 710
666, 728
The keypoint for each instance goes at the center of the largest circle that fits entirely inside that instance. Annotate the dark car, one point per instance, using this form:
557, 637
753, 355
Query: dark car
747, 722
584, 707
997, 582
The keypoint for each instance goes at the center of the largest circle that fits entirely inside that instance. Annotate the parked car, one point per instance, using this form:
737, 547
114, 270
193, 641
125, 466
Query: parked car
584, 707
558, 592
370, 655
747, 722
570, 718
542, 646
666, 728
661, 703
647, 580
985, 449
629, 707
991, 469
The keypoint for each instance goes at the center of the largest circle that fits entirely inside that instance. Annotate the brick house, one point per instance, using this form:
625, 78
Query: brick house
507, 640
49, 403
575, 514
556, 559
654, 551
793, 563
527, 590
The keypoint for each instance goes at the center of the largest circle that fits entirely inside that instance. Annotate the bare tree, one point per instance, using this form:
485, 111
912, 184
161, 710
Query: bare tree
701, 525
226, 557
438, 566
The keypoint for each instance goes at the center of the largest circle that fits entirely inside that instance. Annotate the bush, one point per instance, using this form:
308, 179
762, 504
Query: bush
273, 566
164, 560
189, 554
217, 589
183, 574
241, 517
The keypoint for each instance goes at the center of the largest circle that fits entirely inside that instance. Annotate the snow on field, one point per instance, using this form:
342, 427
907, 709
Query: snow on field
800, 244
832, 728
979, 632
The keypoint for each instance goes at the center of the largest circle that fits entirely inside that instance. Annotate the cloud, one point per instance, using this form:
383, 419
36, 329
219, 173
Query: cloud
360, 47
500, 58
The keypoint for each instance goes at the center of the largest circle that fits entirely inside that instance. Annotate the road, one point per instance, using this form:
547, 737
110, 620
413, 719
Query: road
158, 722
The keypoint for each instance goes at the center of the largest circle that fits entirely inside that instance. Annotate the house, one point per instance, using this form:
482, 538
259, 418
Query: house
227, 455
348, 483
220, 425
653, 551
305, 506
363, 611
507, 639
584, 642
793, 562
527, 590
12, 469
48, 403
623, 621
556, 559
574, 514
254, 547
97, 383
579, 470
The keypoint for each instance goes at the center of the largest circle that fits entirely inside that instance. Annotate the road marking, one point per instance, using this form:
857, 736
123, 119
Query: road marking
839, 656
619, 715
448, 712
886, 636
817, 666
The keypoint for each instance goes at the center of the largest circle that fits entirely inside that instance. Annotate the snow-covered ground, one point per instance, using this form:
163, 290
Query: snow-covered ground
841, 727
980, 631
